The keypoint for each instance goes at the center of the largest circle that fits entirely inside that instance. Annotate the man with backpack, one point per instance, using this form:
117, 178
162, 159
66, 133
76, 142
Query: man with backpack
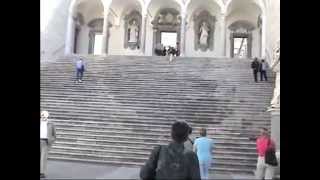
172, 161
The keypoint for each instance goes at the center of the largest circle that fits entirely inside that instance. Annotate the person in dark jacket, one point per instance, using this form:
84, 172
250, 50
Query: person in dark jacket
255, 65
172, 161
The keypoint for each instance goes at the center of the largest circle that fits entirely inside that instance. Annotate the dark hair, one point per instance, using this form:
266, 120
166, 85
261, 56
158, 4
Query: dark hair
265, 129
203, 132
180, 131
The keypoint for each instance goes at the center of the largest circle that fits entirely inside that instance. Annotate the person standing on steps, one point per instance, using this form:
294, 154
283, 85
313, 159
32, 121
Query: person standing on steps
263, 70
79, 69
47, 138
255, 65
203, 146
264, 171
172, 161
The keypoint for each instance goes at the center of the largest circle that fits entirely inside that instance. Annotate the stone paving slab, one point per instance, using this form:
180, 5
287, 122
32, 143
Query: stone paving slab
79, 170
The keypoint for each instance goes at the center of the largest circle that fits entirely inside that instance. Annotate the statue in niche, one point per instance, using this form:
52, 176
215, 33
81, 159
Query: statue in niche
133, 32
204, 29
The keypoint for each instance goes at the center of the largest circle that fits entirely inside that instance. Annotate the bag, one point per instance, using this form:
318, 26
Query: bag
270, 156
171, 164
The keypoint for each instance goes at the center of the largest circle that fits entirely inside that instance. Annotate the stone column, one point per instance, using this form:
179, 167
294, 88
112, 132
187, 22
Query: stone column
263, 34
143, 31
70, 35
182, 33
275, 126
223, 34
104, 46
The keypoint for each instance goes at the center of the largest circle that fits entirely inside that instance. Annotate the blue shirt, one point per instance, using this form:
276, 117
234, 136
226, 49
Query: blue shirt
204, 147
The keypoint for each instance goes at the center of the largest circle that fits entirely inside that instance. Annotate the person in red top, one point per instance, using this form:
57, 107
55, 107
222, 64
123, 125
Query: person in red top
264, 171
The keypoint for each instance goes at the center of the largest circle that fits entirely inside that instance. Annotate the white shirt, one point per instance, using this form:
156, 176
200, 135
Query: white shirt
264, 66
44, 130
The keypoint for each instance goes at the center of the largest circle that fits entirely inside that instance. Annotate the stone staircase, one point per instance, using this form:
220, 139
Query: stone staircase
126, 106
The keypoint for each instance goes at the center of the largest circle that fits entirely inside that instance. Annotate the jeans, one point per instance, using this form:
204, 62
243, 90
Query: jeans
264, 171
255, 75
263, 74
204, 169
79, 74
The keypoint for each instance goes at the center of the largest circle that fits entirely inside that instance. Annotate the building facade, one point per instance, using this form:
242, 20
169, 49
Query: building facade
203, 28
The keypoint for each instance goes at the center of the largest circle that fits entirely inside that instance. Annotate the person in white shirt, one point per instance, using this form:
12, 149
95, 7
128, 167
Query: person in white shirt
263, 70
47, 137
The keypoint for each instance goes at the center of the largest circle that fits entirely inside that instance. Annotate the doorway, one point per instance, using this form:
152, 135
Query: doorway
241, 45
97, 44
169, 39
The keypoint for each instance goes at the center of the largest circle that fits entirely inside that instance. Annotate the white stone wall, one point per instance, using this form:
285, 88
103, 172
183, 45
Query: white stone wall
54, 34
83, 40
149, 37
272, 26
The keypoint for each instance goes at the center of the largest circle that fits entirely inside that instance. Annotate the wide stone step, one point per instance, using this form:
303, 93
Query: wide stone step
217, 150
239, 132
100, 130
127, 136
133, 141
153, 101
137, 126
233, 150
155, 111
162, 117
190, 106
86, 160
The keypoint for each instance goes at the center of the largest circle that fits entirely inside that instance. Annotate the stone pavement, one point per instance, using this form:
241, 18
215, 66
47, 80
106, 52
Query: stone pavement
79, 170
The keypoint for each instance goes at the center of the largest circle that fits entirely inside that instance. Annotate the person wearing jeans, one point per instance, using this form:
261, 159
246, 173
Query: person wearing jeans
80, 69
203, 147
263, 70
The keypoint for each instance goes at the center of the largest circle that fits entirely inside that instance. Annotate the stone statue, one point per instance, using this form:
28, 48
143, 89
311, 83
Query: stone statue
204, 29
133, 32
275, 102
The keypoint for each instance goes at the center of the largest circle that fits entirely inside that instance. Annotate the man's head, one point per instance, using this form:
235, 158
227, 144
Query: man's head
180, 131
262, 60
255, 59
203, 132
263, 131
44, 115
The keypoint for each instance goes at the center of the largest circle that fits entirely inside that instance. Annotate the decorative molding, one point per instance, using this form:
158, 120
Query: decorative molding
206, 19
241, 25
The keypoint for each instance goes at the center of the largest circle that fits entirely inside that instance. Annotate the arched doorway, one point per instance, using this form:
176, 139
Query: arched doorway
126, 32
84, 12
244, 38
166, 23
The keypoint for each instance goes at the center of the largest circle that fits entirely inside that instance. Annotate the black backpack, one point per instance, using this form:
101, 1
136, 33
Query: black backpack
171, 164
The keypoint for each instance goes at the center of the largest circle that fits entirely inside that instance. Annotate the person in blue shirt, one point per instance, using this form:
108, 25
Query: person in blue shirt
80, 69
203, 147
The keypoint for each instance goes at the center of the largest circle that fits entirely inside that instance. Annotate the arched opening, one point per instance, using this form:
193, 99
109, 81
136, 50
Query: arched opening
165, 24
88, 20
125, 35
244, 30
203, 28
